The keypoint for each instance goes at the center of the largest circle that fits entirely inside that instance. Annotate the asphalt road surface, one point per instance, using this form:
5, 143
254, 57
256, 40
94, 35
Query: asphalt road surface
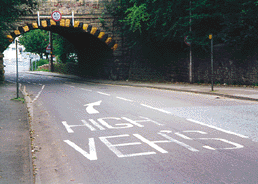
96, 133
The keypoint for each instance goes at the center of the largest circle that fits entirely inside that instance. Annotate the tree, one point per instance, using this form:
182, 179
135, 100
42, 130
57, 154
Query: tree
10, 11
35, 41
156, 21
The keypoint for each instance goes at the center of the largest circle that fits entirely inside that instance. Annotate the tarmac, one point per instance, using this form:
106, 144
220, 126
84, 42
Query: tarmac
15, 145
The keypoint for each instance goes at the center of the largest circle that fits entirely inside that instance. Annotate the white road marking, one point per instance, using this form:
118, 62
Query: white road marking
189, 131
217, 128
85, 124
96, 124
92, 149
120, 125
103, 93
161, 110
124, 99
113, 148
38, 94
183, 136
152, 143
136, 122
176, 141
70, 85
85, 89
237, 146
88, 125
90, 108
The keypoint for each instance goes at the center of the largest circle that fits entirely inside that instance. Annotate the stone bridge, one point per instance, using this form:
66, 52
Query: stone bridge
88, 26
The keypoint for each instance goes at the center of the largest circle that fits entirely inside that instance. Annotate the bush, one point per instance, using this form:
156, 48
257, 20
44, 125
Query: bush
68, 68
40, 63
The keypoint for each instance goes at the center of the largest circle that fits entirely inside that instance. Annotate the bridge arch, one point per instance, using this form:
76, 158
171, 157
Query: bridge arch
80, 27
95, 47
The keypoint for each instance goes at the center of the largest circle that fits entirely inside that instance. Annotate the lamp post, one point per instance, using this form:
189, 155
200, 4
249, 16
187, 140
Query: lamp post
211, 38
17, 77
190, 63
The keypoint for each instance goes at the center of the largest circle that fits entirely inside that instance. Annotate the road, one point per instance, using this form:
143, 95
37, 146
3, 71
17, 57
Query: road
95, 133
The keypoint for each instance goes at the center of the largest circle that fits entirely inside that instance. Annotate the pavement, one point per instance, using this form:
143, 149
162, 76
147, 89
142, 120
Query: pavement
15, 149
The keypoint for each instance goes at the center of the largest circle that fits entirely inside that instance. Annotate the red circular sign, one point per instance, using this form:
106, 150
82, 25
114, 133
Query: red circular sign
56, 15
187, 42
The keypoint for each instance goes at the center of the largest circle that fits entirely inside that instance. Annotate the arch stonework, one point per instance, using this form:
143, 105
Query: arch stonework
48, 23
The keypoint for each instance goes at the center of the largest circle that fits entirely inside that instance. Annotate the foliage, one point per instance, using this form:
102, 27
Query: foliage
39, 63
35, 41
169, 21
10, 11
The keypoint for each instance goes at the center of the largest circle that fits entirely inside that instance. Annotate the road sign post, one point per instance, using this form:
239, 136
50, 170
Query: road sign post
211, 38
17, 76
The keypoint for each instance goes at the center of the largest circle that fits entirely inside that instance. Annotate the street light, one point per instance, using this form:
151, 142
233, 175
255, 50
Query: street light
17, 82
211, 38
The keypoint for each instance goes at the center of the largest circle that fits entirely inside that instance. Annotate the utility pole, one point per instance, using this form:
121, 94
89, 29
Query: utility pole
51, 51
190, 63
211, 38
17, 77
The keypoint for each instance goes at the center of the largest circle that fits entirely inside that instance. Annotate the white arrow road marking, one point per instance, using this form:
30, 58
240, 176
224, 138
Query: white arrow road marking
90, 108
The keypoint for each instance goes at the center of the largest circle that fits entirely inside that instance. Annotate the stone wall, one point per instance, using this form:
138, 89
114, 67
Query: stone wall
231, 66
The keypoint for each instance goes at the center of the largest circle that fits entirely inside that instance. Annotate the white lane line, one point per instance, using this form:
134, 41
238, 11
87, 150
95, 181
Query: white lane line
70, 86
161, 110
85, 89
124, 99
103, 93
217, 128
38, 94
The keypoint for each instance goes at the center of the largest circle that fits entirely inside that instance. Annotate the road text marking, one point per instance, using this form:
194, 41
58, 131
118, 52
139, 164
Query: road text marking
92, 149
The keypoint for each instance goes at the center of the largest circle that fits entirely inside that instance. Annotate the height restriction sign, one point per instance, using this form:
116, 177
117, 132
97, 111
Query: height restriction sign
48, 49
56, 15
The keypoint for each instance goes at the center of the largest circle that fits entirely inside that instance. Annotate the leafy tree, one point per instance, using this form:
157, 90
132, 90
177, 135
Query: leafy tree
10, 11
35, 41
153, 21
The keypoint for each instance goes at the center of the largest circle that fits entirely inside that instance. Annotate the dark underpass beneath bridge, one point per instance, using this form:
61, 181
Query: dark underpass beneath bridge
94, 54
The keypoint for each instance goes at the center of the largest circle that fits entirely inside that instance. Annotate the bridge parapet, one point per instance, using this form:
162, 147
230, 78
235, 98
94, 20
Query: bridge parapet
67, 6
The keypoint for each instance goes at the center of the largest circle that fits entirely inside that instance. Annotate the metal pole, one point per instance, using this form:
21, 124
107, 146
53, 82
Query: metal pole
51, 52
73, 18
190, 63
211, 62
38, 19
17, 77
